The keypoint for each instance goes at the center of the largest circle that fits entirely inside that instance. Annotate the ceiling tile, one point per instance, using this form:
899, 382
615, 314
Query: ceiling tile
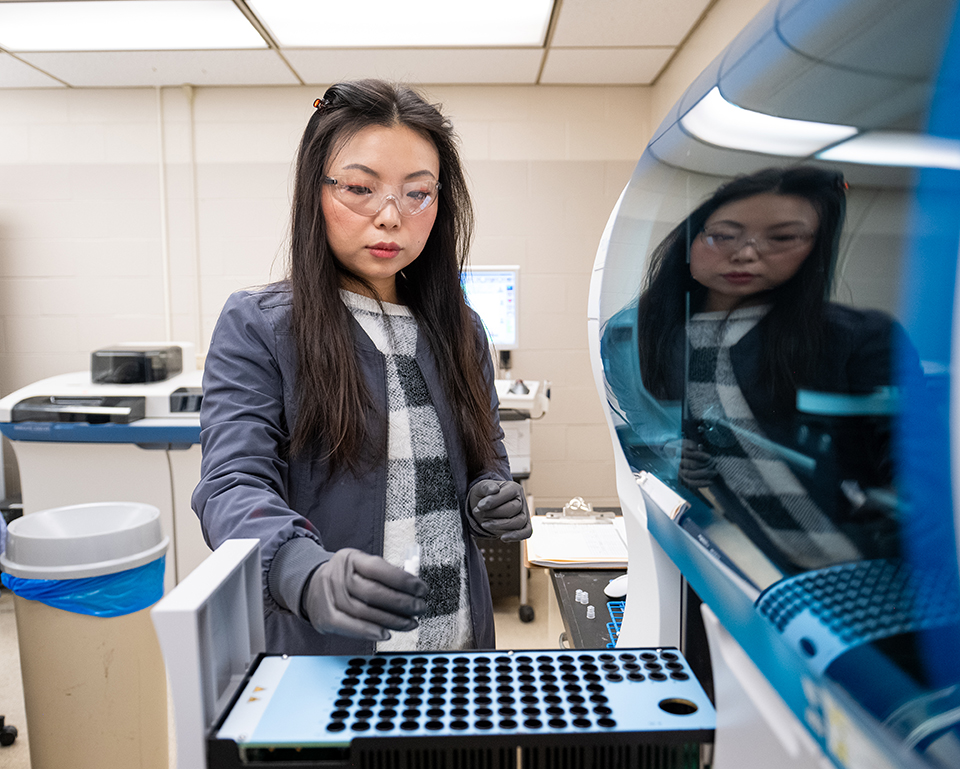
604, 66
164, 68
16, 74
388, 23
595, 42
431, 65
107, 25
626, 23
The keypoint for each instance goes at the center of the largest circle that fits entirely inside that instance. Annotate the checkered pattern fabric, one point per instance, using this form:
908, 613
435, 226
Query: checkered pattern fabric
421, 497
762, 482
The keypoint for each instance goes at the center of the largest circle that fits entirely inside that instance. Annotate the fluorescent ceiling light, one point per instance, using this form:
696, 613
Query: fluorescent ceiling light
399, 24
141, 25
716, 121
889, 148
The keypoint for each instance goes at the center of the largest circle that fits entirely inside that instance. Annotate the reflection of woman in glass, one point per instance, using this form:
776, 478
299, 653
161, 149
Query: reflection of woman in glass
751, 303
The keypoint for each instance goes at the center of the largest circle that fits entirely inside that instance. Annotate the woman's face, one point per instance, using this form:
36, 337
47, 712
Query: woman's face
378, 246
751, 246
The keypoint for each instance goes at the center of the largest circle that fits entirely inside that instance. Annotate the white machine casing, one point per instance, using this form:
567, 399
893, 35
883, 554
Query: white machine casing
146, 460
210, 629
517, 409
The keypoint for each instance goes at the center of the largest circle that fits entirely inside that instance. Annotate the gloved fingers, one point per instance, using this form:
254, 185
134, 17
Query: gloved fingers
343, 601
697, 469
507, 517
497, 496
374, 601
695, 457
480, 490
702, 478
504, 514
378, 569
698, 464
695, 482
513, 529
330, 609
356, 613
500, 527
507, 509
348, 600
347, 623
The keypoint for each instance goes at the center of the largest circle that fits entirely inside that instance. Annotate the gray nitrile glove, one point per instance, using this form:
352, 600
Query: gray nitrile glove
360, 595
500, 508
698, 468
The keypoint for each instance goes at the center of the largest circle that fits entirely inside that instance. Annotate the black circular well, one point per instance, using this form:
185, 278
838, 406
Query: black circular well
678, 707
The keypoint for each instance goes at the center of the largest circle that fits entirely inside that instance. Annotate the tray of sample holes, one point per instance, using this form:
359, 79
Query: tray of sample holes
605, 708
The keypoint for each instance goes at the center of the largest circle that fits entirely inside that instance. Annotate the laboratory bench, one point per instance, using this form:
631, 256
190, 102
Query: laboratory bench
581, 632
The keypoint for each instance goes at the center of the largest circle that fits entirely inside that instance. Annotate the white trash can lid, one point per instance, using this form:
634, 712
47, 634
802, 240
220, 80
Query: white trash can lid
83, 541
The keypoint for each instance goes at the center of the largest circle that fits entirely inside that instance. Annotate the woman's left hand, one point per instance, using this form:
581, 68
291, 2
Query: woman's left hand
500, 509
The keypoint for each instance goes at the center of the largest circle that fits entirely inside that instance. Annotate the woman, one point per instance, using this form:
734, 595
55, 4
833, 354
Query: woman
792, 282
741, 326
349, 418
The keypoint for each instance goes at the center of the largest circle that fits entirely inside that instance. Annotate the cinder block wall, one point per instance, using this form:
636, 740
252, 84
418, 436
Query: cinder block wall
127, 215
131, 214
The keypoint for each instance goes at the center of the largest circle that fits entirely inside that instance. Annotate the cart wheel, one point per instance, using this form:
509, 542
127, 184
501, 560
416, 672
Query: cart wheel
7, 734
526, 613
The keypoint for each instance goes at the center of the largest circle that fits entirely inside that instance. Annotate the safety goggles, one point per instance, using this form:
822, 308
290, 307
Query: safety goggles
368, 197
729, 240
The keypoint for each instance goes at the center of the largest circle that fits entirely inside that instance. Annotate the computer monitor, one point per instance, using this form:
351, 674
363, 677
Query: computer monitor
493, 293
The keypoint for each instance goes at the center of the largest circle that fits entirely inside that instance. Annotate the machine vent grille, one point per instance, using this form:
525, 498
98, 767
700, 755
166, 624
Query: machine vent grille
685, 756
450, 758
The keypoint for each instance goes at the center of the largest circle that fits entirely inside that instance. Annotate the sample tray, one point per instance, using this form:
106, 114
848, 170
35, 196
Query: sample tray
827, 612
628, 707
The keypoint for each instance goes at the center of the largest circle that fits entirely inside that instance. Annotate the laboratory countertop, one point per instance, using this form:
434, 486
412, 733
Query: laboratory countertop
581, 631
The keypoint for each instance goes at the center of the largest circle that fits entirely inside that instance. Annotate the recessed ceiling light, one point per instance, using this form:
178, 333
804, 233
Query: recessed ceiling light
394, 23
890, 148
716, 121
135, 25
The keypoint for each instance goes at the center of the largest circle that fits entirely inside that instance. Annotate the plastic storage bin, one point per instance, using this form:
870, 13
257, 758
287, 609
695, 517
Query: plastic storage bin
94, 683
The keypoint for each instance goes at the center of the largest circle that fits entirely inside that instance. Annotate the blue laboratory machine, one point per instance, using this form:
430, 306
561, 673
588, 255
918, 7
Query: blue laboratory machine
820, 535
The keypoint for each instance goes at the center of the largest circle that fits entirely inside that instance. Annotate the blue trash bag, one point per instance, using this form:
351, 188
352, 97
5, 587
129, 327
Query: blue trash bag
110, 595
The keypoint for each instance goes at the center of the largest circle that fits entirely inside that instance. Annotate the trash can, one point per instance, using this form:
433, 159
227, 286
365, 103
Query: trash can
94, 682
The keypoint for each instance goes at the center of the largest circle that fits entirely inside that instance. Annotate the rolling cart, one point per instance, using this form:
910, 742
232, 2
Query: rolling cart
519, 406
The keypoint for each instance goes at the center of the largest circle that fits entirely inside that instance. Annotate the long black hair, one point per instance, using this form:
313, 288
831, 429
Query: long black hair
332, 397
792, 329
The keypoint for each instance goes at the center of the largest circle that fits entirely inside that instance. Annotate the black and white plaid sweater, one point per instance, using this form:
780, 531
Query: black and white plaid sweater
421, 504
762, 482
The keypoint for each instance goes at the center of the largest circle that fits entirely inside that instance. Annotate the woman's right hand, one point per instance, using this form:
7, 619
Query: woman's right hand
360, 595
697, 468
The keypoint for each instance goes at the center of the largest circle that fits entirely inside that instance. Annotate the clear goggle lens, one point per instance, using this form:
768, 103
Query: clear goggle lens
727, 241
368, 197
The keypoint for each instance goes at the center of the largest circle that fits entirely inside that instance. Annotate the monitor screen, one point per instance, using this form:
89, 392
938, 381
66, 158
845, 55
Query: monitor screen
492, 292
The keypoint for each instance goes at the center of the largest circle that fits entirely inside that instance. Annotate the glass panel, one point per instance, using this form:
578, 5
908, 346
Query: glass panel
777, 337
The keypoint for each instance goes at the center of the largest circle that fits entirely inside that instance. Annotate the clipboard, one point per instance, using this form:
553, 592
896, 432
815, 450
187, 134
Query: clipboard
578, 537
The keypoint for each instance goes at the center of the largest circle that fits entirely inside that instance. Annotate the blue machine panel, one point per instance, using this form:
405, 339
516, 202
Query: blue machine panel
143, 432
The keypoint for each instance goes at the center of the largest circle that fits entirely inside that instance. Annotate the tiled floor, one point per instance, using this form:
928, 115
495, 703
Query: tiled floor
542, 633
